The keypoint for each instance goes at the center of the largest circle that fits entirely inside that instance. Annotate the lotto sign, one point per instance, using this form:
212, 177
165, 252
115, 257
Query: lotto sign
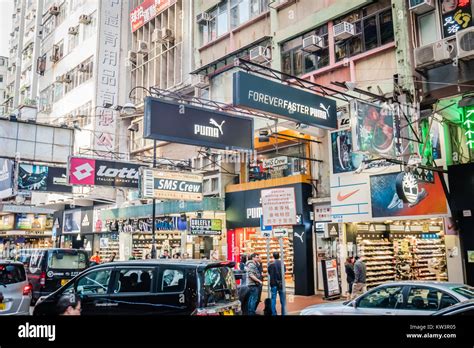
279, 206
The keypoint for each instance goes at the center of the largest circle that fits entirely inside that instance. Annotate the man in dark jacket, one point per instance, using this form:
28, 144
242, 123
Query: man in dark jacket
276, 282
359, 279
254, 282
349, 266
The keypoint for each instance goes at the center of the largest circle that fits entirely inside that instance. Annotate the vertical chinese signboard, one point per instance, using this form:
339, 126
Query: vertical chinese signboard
107, 74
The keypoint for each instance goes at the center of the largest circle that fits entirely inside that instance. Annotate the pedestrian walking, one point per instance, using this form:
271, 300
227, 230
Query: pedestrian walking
349, 266
260, 268
359, 286
69, 304
254, 282
276, 282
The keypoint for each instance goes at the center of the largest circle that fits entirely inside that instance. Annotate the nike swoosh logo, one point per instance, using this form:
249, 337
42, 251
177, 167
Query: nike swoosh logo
341, 198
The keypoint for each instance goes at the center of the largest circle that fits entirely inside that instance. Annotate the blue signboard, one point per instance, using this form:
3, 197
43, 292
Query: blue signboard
284, 101
264, 228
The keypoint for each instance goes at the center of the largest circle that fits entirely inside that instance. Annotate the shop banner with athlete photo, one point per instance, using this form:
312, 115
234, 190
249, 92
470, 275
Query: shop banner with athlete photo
373, 129
32, 177
407, 194
6, 178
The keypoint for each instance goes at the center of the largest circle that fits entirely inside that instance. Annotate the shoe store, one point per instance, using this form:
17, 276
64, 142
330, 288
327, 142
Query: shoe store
245, 234
192, 229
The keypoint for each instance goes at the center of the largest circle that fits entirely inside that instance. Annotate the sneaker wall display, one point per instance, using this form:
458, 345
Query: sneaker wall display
379, 259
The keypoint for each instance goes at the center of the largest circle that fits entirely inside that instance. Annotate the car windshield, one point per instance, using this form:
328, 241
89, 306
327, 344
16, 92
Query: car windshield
466, 291
219, 286
67, 260
11, 274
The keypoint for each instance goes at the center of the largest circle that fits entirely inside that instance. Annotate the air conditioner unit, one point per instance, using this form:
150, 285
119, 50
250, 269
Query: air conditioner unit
432, 54
132, 56
421, 6
54, 10
260, 54
84, 19
142, 47
166, 34
54, 58
200, 81
203, 18
465, 43
312, 43
155, 35
343, 30
73, 31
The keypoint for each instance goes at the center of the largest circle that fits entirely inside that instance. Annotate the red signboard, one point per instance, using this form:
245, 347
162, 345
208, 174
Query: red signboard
146, 12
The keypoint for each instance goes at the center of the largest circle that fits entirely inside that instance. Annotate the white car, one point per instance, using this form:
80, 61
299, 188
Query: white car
15, 290
398, 298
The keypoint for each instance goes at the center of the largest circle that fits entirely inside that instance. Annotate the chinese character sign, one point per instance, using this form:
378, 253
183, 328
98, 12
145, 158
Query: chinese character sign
456, 15
279, 206
147, 10
108, 75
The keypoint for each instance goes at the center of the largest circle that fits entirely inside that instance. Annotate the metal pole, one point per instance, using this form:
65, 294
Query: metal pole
268, 264
153, 240
283, 281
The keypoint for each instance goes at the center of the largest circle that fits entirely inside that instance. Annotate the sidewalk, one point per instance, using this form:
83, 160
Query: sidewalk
294, 303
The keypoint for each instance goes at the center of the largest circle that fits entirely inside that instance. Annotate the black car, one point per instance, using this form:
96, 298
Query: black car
152, 287
49, 269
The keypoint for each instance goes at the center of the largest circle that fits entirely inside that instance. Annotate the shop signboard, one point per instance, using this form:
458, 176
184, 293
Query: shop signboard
34, 222
192, 125
280, 161
146, 11
279, 206
373, 128
330, 278
205, 227
405, 194
78, 221
32, 177
95, 172
285, 101
161, 184
6, 178
7, 222
456, 15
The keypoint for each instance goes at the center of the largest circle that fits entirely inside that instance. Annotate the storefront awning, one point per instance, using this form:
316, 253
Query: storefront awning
164, 208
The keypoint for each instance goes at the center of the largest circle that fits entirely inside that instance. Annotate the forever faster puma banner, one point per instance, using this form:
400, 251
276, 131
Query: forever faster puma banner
284, 101
192, 125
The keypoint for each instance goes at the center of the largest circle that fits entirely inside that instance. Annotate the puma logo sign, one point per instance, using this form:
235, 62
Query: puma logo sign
214, 123
300, 236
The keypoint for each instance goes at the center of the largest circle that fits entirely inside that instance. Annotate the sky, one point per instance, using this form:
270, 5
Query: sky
6, 11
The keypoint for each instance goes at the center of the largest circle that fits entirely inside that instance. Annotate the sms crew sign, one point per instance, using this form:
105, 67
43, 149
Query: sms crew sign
160, 184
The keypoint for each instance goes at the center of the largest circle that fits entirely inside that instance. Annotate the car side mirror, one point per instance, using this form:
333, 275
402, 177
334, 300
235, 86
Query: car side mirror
354, 304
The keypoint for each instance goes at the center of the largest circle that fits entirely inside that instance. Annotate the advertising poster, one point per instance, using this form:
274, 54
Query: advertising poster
206, 226
147, 10
373, 129
33, 222
42, 178
72, 221
7, 222
6, 178
343, 159
331, 278
402, 194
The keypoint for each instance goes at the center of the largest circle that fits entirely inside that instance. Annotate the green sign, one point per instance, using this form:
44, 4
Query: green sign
468, 123
206, 226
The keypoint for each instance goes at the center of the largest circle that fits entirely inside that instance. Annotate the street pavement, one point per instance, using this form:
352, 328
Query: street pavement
294, 303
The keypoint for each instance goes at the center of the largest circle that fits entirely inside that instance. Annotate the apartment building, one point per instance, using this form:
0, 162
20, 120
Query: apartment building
3, 85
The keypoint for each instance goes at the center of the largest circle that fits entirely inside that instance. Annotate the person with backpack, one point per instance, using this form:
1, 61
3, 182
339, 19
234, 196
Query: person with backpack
276, 282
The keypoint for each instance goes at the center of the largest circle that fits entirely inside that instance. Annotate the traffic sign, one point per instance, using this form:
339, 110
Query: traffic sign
281, 231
